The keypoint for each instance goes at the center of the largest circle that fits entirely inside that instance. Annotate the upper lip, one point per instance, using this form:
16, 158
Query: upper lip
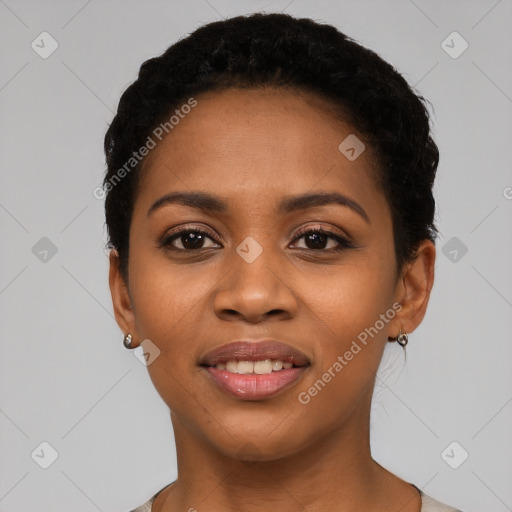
255, 350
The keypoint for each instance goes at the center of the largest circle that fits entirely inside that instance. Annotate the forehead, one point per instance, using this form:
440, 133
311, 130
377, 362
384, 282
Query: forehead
256, 143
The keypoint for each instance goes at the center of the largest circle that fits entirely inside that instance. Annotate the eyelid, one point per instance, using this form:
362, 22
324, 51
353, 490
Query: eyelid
342, 238
192, 227
165, 241
324, 229
302, 231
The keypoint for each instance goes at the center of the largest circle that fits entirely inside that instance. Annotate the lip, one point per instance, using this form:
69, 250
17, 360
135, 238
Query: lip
253, 386
255, 350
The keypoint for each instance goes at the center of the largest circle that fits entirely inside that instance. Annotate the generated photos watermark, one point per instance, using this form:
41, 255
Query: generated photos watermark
137, 156
304, 397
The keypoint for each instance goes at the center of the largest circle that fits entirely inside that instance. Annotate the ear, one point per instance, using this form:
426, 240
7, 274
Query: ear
123, 310
413, 290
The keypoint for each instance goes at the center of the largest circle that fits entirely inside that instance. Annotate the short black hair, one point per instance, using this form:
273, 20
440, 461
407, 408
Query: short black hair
279, 50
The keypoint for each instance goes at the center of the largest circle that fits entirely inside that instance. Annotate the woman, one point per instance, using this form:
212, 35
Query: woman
270, 216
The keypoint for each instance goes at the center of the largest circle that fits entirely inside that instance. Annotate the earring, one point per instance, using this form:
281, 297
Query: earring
127, 342
402, 338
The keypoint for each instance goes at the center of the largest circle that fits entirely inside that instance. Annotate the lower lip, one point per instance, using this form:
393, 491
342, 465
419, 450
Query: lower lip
251, 386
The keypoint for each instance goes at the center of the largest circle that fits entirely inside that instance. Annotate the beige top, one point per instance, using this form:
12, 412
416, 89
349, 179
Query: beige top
428, 504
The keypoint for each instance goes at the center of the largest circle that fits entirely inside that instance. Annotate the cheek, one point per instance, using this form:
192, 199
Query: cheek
168, 296
353, 336
169, 302
352, 309
352, 297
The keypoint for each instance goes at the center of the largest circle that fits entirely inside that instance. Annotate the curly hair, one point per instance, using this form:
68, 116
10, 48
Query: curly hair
279, 50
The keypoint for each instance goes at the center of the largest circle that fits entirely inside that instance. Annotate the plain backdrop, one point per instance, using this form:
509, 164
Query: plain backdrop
65, 378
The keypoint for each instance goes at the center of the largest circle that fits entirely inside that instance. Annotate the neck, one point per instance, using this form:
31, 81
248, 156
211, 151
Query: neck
334, 472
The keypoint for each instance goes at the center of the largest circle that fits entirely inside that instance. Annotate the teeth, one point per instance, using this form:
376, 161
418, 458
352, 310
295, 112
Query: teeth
245, 366
258, 367
277, 365
231, 366
262, 367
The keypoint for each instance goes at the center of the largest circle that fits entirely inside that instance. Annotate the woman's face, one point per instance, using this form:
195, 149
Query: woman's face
255, 274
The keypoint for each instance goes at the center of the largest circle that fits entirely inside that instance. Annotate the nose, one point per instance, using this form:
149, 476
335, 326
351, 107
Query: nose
254, 292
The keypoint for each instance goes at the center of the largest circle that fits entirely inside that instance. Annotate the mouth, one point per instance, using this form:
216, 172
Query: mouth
255, 369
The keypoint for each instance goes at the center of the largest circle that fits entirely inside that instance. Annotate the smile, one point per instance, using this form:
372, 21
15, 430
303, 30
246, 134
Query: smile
254, 386
256, 369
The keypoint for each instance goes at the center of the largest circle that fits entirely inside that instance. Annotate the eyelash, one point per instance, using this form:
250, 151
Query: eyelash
344, 242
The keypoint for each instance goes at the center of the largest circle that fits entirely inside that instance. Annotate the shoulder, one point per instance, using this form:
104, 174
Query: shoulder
149, 504
146, 507
431, 505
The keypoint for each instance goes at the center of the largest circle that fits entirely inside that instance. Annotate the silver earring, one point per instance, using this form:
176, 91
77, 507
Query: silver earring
402, 339
127, 342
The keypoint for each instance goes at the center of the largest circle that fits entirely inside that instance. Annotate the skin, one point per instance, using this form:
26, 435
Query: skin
253, 147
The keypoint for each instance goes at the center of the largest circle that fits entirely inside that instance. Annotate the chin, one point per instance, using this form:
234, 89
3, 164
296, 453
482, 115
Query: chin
267, 446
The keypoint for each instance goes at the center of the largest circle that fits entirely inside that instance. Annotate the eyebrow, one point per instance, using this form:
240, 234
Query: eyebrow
215, 204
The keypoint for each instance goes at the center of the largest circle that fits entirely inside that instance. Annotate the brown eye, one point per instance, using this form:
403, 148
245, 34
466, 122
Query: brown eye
189, 239
316, 240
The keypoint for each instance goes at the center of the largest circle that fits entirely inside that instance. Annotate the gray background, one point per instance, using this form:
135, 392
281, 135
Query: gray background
65, 377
